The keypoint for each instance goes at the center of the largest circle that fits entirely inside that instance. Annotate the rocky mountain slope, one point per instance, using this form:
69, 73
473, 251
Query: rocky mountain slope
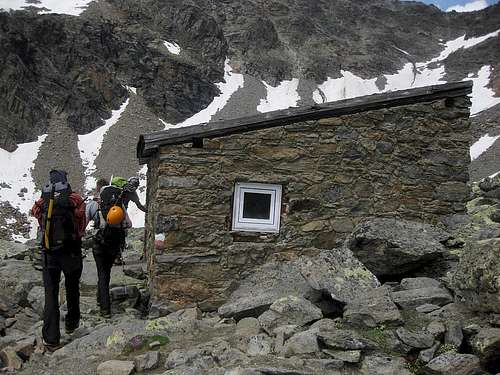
81, 88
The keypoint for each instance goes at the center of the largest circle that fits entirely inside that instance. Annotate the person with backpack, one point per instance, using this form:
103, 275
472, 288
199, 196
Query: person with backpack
110, 218
130, 189
61, 216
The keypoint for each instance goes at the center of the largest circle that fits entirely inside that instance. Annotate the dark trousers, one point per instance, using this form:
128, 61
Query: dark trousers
69, 263
104, 259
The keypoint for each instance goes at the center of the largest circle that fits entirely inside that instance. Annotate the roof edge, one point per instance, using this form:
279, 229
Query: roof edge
148, 144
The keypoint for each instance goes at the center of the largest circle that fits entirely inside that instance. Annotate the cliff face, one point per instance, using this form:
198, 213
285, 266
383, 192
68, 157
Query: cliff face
79, 66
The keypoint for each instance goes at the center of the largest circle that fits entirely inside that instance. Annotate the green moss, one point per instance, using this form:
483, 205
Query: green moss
116, 338
416, 367
446, 348
141, 343
358, 272
379, 336
158, 325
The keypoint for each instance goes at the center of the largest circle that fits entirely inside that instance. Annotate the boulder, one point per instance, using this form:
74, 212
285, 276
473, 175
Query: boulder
248, 327
11, 359
258, 345
486, 344
436, 329
301, 343
265, 285
384, 365
115, 368
426, 355
17, 279
342, 339
338, 273
282, 334
335, 272
189, 358
11, 249
453, 335
476, 278
453, 364
373, 310
347, 356
289, 310
147, 361
394, 246
36, 298
418, 340
420, 282
409, 299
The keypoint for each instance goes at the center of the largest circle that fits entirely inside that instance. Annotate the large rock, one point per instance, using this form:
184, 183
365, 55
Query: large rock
454, 364
419, 340
420, 282
476, 278
412, 298
342, 339
335, 272
115, 368
289, 310
265, 285
147, 361
373, 309
339, 273
384, 365
11, 249
301, 343
486, 344
395, 246
11, 359
17, 279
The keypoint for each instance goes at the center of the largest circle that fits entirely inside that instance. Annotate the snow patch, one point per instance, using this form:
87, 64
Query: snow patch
90, 145
283, 96
71, 7
232, 82
469, 7
481, 145
459, 43
16, 173
16, 182
482, 97
172, 47
132, 89
136, 215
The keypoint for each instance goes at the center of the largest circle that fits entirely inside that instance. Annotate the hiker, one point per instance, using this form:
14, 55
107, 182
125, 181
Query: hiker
61, 215
130, 189
129, 194
110, 217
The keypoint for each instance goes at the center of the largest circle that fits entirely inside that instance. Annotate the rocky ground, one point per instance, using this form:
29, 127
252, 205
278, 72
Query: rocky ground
398, 298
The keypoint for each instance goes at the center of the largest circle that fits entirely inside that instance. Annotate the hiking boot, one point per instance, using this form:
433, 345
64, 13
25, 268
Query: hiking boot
51, 348
70, 328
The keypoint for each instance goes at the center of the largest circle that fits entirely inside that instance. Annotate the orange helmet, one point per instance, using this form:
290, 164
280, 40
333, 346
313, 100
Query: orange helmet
115, 215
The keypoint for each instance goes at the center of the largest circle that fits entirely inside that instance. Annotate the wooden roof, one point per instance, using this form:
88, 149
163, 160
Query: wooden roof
149, 143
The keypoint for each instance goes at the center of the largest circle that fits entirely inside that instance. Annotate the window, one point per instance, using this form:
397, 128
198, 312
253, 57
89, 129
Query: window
256, 207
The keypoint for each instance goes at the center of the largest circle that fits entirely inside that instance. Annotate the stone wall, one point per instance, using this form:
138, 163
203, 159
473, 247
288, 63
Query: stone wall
408, 161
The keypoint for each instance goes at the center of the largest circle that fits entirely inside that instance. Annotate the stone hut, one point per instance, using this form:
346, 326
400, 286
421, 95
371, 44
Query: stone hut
226, 196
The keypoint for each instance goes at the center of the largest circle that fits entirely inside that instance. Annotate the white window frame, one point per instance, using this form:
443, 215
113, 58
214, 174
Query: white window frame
241, 223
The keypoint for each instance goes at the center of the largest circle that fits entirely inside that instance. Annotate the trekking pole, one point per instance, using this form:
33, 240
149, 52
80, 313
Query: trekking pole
49, 218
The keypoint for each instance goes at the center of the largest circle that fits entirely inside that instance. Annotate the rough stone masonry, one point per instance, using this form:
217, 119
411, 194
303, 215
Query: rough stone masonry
404, 159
